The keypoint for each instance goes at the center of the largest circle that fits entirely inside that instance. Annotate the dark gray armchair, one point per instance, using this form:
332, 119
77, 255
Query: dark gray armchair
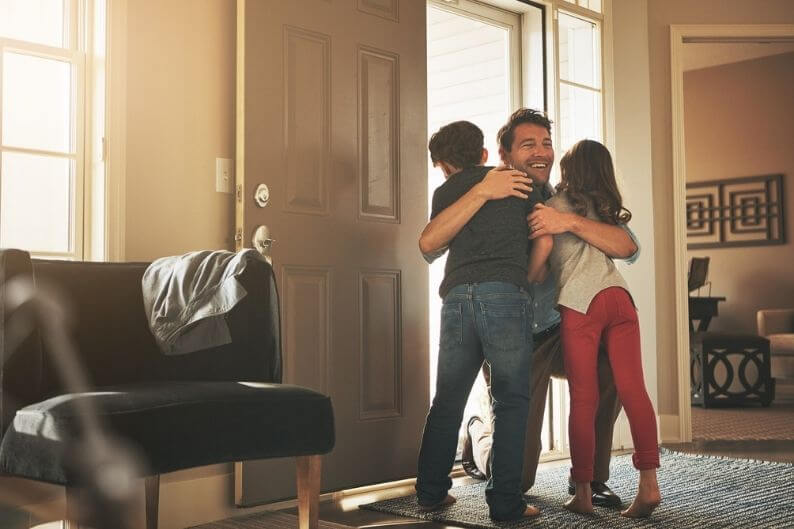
174, 412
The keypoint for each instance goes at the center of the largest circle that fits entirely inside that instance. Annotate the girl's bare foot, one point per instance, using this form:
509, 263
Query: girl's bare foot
648, 496
582, 501
449, 500
531, 511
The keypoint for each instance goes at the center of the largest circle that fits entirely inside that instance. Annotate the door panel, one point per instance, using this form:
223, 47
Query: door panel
331, 116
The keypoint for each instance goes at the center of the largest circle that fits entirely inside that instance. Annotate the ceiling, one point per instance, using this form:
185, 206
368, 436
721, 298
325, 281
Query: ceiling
710, 54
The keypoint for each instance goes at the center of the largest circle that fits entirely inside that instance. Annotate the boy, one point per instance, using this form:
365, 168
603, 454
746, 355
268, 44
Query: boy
486, 316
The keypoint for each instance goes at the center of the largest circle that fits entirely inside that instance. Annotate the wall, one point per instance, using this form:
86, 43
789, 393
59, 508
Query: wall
661, 14
180, 117
739, 121
632, 148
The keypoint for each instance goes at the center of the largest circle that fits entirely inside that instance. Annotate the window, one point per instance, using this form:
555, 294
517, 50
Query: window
43, 128
579, 70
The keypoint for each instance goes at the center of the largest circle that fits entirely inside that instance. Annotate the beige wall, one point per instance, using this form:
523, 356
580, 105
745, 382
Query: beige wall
632, 149
180, 117
739, 121
180, 112
661, 14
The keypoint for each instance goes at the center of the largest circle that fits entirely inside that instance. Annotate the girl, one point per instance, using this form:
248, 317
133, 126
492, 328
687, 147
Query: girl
596, 308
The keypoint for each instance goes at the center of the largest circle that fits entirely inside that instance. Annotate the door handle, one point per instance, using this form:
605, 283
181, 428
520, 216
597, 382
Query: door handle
263, 242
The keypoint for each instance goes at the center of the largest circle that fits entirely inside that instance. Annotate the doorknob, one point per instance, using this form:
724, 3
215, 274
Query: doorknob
262, 241
262, 195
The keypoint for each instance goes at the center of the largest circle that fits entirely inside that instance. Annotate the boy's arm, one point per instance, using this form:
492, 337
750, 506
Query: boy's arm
498, 183
611, 239
541, 248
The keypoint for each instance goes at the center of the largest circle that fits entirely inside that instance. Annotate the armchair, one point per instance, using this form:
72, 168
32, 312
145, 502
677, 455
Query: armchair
777, 325
217, 405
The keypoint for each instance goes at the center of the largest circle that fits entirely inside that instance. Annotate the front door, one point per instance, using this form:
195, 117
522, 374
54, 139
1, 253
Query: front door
331, 182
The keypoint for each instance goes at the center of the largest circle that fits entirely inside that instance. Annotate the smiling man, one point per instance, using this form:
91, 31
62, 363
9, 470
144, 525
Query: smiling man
525, 145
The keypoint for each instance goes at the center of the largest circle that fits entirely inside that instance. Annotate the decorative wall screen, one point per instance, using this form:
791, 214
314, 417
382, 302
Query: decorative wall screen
735, 212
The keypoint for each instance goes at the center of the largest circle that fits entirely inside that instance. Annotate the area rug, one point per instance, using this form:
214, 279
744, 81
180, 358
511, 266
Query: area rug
775, 423
265, 520
698, 492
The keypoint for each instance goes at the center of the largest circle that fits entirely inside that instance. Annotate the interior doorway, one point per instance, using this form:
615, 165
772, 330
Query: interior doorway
715, 120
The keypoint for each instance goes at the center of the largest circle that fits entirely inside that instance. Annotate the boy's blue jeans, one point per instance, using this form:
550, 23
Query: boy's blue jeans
481, 321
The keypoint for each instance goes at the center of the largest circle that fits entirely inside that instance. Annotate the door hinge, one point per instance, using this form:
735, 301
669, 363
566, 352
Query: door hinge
239, 192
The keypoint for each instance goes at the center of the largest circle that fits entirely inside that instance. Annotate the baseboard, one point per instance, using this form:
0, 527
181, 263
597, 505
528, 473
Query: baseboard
669, 428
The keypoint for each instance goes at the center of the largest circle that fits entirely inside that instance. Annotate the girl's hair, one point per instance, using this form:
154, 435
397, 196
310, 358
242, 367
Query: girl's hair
588, 177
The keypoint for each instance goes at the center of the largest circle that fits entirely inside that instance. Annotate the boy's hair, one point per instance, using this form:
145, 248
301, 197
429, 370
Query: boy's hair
459, 144
506, 134
588, 177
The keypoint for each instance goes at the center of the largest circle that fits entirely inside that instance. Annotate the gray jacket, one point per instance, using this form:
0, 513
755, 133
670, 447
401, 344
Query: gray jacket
186, 298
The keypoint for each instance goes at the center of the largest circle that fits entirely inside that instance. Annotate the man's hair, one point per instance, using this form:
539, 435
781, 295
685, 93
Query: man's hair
459, 144
506, 134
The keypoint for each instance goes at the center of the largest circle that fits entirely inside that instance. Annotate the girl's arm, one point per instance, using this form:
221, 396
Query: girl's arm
541, 248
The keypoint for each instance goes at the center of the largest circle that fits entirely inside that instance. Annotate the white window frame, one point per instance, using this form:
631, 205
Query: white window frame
558, 394
87, 235
603, 22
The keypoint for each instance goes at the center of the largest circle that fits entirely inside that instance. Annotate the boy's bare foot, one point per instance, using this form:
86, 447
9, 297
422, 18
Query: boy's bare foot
531, 511
582, 501
449, 500
648, 496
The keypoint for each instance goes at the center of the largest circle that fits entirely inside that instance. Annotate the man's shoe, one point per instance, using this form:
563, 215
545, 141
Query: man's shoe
602, 494
467, 456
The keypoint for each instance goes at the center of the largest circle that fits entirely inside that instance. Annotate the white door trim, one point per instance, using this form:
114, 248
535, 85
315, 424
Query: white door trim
679, 34
116, 131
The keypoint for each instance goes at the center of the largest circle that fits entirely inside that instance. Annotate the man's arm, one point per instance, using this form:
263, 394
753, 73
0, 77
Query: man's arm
498, 183
611, 239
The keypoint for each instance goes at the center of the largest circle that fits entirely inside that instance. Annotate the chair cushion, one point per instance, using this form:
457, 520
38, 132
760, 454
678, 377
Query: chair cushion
781, 344
174, 425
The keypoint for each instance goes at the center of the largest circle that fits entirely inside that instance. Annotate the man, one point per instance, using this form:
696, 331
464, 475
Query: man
525, 145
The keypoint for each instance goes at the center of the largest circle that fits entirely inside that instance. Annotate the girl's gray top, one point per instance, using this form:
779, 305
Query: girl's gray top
581, 270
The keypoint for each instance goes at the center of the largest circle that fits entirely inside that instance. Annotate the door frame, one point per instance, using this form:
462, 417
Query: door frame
680, 35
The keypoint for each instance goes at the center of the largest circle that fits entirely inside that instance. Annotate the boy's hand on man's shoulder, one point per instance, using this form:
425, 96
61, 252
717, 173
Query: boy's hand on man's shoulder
502, 182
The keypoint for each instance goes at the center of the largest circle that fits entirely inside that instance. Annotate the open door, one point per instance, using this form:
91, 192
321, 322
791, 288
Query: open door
331, 185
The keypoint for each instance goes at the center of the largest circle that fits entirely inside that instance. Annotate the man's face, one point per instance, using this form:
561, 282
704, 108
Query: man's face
531, 152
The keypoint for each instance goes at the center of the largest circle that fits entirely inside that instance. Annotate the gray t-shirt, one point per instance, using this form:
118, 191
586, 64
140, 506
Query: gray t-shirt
494, 244
581, 270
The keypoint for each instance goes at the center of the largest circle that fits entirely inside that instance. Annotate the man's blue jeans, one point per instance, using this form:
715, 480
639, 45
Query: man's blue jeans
481, 321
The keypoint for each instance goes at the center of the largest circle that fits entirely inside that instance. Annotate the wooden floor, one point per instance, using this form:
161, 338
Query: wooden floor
345, 511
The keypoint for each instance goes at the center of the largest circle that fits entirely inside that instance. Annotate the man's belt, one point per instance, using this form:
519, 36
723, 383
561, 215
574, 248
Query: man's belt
542, 336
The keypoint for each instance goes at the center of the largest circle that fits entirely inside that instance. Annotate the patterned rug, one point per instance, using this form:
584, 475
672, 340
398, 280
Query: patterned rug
265, 520
775, 423
698, 492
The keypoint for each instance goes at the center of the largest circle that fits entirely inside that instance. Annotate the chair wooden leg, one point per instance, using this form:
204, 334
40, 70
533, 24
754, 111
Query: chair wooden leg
309, 470
72, 508
152, 486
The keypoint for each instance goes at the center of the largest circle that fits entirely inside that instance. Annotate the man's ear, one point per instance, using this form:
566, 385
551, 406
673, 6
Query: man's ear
484, 157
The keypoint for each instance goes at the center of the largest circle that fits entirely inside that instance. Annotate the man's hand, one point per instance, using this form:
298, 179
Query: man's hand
548, 221
504, 181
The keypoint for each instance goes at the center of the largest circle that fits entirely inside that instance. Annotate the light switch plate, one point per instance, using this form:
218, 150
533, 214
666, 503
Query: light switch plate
224, 175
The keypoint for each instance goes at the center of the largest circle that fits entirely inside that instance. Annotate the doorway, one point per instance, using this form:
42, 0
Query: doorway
715, 116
